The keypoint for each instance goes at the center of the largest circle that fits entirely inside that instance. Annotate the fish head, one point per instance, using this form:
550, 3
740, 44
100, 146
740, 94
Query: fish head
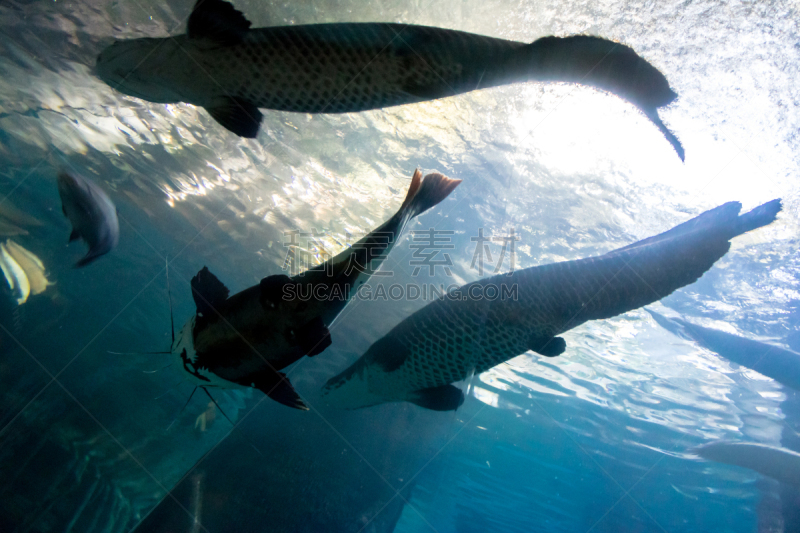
144, 68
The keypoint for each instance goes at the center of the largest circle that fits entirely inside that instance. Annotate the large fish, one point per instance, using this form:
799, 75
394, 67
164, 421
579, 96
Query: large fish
227, 68
777, 463
487, 322
246, 339
92, 214
771, 360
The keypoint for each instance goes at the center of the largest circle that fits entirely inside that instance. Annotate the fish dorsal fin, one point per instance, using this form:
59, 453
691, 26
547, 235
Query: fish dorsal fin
74, 235
237, 115
217, 20
208, 292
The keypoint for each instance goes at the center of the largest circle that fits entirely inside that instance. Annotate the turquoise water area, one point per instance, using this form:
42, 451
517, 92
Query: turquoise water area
598, 439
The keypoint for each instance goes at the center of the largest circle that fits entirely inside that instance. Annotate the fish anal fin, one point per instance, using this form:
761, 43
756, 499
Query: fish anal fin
75, 235
314, 337
272, 289
208, 292
547, 346
237, 115
277, 386
442, 398
217, 20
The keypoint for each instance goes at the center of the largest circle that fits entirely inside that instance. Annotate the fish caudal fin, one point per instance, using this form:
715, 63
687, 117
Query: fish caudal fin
603, 64
424, 193
443, 398
759, 217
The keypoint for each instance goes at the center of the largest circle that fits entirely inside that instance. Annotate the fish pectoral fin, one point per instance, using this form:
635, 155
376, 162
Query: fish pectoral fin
277, 386
272, 289
237, 115
208, 292
443, 398
547, 346
74, 235
314, 337
217, 20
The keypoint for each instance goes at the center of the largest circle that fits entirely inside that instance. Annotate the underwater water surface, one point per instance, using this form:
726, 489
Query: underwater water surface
598, 439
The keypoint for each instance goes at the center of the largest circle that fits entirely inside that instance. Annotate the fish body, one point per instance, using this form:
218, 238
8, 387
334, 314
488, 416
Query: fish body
231, 70
92, 214
246, 339
775, 362
475, 327
15, 275
778, 463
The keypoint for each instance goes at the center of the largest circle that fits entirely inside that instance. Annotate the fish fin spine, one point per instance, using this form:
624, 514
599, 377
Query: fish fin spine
217, 20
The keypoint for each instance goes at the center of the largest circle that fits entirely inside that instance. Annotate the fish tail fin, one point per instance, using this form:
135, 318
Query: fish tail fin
759, 217
602, 64
424, 193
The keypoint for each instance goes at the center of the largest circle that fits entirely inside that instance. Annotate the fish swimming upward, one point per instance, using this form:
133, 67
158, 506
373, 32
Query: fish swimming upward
487, 322
92, 214
227, 68
778, 463
246, 339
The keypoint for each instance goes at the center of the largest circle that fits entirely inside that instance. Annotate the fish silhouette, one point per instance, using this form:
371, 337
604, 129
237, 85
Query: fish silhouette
487, 322
778, 463
92, 214
227, 68
246, 339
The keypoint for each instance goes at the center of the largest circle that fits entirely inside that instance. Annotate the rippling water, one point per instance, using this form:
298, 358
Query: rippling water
595, 440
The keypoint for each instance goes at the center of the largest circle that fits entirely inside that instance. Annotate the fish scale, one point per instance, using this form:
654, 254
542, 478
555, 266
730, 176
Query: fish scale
231, 70
447, 340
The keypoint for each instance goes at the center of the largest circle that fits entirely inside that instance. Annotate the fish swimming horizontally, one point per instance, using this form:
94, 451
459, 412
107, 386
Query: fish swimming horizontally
92, 214
475, 327
771, 461
246, 339
227, 68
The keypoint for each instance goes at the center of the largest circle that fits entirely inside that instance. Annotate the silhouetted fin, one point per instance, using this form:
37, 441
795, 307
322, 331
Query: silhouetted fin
277, 386
443, 398
217, 20
272, 289
547, 346
74, 235
314, 337
208, 292
724, 219
673, 140
239, 116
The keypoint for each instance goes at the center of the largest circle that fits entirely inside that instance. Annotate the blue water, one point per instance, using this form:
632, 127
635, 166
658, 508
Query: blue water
597, 439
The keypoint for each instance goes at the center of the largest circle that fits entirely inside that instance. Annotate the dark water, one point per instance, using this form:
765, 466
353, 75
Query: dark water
595, 440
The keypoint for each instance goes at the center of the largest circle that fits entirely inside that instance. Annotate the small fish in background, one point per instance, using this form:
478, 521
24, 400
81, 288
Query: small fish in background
92, 214
227, 68
23, 270
778, 463
206, 418
15, 276
458, 334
